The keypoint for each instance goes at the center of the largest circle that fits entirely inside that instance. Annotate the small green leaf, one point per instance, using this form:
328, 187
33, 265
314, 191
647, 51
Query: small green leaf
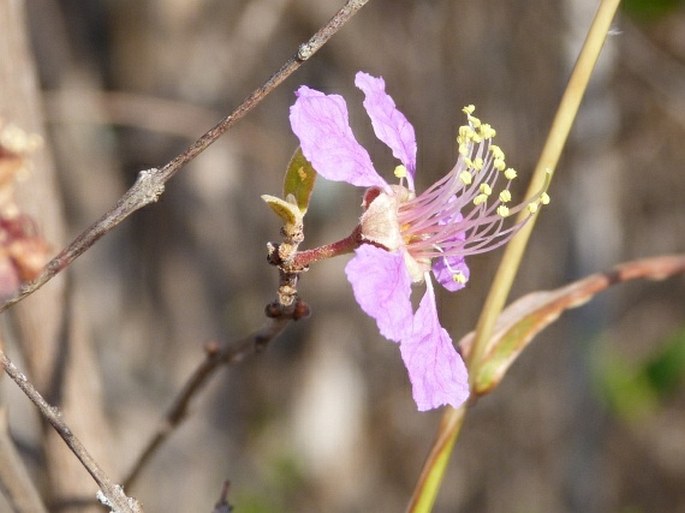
289, 212
299, 180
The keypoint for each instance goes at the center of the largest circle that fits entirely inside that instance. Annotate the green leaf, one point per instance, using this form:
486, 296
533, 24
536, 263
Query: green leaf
288, 212
299, 180
516, 326
526, 317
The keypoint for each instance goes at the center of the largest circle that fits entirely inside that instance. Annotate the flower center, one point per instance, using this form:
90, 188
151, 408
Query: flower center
464, 213
381, 226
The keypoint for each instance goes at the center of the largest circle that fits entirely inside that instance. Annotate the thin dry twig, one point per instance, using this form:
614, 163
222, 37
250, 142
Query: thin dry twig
111, 495
216, 357
223, 506
286, 307
150, 183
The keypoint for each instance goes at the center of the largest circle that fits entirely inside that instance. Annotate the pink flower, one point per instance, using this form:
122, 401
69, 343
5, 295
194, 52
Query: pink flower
407, 236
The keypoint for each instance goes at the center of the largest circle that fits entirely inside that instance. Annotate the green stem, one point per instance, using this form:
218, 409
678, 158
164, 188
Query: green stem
558, 134
428, 486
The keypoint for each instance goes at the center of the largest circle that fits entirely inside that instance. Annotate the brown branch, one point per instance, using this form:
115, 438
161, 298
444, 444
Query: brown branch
150, 183
110, 494
286, 307
216, 357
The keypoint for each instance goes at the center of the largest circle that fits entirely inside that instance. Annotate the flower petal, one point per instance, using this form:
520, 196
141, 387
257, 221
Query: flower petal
436, 371
446, 268
382, 287
321, 123
451, 271
389, 124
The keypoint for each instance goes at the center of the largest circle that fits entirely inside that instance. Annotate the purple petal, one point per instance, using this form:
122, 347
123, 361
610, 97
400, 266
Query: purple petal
444, 269
322, 125
389, 124
382, 287
436, 371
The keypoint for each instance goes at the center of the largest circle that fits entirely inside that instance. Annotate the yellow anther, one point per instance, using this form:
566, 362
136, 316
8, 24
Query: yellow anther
503, 211
469, 109
459, 277
533, 207
544, 198
510, 173
499, 164
505, 196
487, 132
463, 149
474, 122
466, 177
497, 152
478, 163
400, 171
485, 189
481, 198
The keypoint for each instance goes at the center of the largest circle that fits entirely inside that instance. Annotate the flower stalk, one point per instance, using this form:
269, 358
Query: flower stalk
302, 259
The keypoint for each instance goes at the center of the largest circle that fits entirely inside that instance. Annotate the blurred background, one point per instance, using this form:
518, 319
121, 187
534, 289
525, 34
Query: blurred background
590, 419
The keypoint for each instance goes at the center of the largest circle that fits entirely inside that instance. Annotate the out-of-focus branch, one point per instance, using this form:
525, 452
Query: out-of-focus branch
216, 357
49, 331
150, 183
15, 483
169, 117
112, 495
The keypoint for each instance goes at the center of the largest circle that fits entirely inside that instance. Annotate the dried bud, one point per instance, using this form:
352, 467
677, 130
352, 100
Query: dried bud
302, 310
273, 310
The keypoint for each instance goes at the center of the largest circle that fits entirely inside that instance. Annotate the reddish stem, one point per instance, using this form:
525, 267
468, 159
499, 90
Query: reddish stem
303, 258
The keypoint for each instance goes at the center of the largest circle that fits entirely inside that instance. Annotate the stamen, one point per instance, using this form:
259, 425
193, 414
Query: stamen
496, 151
510, 173
458, 215
480, 199
459, 277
